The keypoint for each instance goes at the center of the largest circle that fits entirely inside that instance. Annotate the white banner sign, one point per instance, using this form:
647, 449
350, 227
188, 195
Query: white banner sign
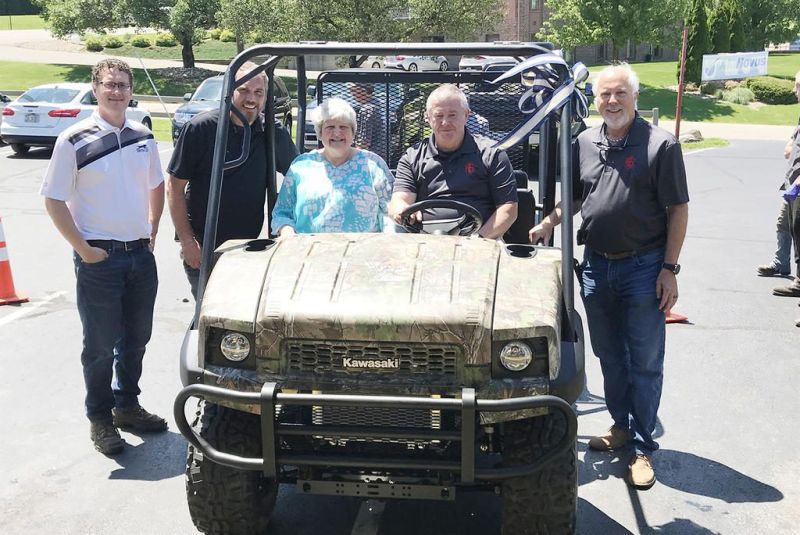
734, 66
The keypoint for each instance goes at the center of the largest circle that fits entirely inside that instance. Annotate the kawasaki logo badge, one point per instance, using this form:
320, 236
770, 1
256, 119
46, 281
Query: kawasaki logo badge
349, 362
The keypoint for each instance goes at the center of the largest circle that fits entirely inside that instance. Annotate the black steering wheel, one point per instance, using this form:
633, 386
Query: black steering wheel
468, 222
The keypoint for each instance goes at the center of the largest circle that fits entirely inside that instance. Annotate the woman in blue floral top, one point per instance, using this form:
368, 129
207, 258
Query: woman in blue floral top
338, 188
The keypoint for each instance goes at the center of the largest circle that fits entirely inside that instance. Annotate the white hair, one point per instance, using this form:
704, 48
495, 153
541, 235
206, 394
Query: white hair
333, 108
621, 68
445, 91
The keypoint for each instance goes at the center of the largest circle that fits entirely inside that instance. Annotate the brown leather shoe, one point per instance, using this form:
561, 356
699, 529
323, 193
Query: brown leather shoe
614, 438
793, 290
769, 270
640, 472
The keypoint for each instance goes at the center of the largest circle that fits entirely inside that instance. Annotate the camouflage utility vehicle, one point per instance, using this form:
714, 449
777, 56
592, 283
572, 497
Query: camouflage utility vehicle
390, 366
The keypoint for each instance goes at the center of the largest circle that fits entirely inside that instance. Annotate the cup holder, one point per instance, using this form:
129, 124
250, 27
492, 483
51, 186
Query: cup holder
521, 251
259, 245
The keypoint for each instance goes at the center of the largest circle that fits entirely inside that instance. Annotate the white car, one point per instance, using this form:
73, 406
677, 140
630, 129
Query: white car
416, 63
41, 113
482, 63
373, 62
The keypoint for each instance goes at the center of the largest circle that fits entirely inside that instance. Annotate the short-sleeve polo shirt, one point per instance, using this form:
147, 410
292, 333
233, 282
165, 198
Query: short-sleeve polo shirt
105, 175
626, 189
476, 173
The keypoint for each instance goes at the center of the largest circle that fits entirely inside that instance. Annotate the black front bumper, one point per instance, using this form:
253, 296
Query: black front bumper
467, 405
35, 141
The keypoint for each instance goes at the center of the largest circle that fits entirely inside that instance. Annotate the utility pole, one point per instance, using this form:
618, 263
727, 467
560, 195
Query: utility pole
680, 81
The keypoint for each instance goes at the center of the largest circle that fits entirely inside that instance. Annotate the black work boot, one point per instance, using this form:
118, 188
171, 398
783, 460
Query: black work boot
138, 418
105, 437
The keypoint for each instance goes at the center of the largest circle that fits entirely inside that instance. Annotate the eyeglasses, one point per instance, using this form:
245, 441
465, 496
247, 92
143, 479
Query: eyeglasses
111, 86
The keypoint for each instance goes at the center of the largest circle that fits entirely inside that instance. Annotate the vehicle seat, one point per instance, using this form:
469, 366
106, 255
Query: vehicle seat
526, 208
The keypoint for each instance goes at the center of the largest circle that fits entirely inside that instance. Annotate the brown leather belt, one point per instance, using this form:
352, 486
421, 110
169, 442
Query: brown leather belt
626, 254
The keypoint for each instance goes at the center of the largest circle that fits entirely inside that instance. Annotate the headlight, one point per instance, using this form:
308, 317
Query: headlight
516, 356
235, 347
181, 117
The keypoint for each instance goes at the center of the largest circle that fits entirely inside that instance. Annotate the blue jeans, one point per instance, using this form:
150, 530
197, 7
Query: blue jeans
628, 332
115, 303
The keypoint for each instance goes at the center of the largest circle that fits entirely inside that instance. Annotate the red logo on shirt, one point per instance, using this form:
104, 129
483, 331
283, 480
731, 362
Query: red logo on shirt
469, 167
630, 161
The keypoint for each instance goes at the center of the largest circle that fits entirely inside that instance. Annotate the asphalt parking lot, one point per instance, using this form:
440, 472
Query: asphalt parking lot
728, 422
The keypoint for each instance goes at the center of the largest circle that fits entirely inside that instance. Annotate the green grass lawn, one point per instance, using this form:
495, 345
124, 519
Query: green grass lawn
21, 76
162, 129
21, 22
711, 142
207, 50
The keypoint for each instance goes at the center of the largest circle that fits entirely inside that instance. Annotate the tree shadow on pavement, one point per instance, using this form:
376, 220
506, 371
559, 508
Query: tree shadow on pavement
159, 456
593, 520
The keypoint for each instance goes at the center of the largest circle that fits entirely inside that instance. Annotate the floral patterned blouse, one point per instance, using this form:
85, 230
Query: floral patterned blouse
317, 196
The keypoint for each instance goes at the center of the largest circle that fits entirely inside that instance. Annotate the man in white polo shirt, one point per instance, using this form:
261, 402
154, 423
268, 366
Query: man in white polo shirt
104, 191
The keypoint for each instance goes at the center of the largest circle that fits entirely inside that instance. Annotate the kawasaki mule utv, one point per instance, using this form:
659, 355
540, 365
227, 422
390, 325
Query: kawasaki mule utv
392, 366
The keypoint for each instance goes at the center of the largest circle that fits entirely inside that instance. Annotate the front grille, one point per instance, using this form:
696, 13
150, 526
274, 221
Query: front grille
390, 359
376, 416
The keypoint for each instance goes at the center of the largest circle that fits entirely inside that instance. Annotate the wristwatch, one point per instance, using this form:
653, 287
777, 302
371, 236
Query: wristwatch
674, 268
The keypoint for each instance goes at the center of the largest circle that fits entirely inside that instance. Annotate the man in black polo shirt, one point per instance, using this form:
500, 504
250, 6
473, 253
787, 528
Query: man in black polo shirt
241, 210
631, 181
453, 164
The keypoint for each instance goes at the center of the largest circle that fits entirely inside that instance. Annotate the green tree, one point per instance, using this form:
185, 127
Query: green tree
720, 29
457, 19
583, 22
68, 16
770, 21
188, 20
699, 42
739, 35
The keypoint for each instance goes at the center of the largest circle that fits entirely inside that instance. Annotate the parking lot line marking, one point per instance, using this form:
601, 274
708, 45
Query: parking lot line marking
369, 518
30, 308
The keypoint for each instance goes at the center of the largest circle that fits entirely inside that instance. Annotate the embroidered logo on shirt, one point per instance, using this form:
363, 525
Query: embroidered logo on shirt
141, 148
630, 161
469, 168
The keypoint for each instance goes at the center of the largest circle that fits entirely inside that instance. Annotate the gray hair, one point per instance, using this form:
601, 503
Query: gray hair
333, 108
621, 68
445, 91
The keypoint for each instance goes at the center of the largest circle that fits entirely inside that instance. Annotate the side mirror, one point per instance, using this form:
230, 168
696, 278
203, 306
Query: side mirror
187, 97
133, 103
4, 98
311, 91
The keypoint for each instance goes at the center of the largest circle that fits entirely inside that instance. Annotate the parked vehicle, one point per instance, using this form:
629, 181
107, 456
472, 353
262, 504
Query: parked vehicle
208, 94
419, 366
482, 63
374, 62
3, 100
416, 63
41, 113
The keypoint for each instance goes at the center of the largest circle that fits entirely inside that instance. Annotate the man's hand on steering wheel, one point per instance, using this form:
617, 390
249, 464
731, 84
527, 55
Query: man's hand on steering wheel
470, 219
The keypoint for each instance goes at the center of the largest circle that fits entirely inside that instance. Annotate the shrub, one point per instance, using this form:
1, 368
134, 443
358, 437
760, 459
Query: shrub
112, 41
94, 44
140, 41
690, 86
711, 88
738, 95
732, 84
166, 39
227, 36
214, 34
770, 90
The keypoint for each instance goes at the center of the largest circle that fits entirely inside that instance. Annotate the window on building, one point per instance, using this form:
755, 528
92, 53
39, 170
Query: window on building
534, 4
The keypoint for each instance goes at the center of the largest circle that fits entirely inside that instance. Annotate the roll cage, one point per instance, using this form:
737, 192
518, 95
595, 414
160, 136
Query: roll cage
552, 150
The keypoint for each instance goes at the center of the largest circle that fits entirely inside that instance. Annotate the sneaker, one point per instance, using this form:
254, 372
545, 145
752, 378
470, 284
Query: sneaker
138, 418
769, 270
614, 438
640, 472
105, 437
793, 290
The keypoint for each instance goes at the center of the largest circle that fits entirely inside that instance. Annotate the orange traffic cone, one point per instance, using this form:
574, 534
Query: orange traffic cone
7, 293
673, 317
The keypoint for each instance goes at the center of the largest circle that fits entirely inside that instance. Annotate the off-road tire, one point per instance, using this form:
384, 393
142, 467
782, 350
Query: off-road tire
544, 502
223, 500
20, 148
